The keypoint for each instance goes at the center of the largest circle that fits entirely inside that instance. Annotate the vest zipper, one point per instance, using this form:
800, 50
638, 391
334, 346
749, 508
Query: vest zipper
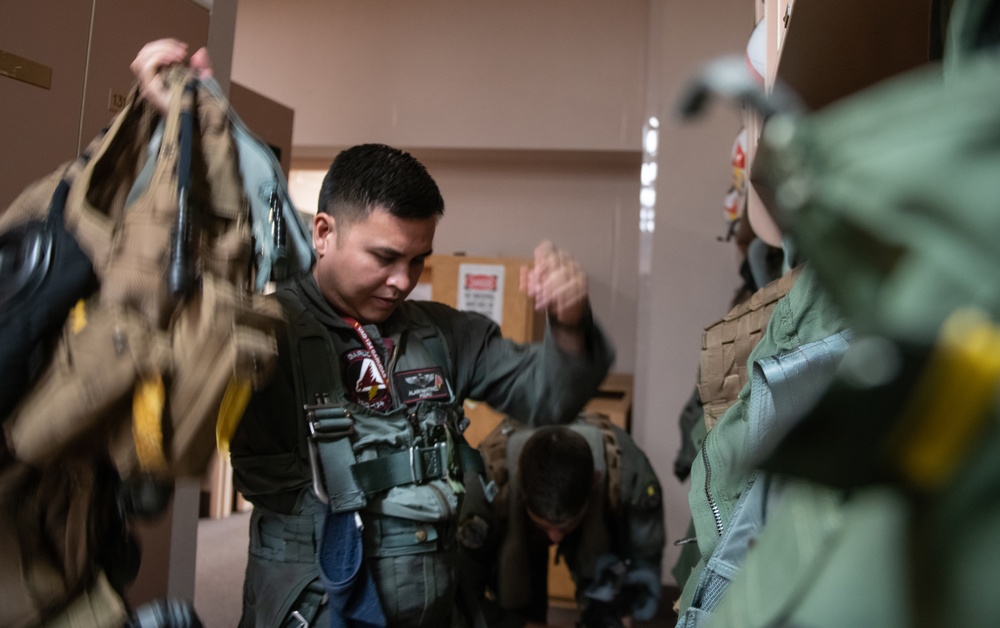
441, 498
708, 489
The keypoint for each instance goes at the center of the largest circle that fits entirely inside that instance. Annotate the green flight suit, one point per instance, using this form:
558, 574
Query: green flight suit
720, 473
270, 450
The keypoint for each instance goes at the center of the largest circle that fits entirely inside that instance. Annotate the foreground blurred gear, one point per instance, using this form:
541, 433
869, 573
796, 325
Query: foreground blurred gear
891, 196
151, 370
166, 614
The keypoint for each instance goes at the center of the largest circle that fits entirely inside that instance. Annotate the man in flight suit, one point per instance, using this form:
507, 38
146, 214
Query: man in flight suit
390, 376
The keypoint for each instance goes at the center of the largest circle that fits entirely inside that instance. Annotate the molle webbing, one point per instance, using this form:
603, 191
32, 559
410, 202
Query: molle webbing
612, 456
726, 346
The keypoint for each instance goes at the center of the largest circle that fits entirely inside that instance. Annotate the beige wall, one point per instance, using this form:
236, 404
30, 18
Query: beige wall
503, 205
530, 115
692, 275
521, 74
538, 139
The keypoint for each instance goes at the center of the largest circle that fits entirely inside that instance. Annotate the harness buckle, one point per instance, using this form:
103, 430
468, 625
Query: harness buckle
326, 422
434, 466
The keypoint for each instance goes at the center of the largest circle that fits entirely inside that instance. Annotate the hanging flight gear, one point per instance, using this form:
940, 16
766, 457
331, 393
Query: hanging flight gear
165, 352
282, 244
176, 342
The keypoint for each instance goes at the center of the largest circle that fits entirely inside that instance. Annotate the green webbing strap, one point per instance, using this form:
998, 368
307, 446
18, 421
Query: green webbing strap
332, 455
330, 425
470, 459
414, 465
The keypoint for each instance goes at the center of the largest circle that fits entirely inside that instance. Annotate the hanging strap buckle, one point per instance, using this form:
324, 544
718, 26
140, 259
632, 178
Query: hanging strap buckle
330, 427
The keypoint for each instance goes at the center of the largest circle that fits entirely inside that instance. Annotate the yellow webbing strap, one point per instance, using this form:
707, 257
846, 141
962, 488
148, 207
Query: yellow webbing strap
78, 317
147, 423
234, 402
953, 400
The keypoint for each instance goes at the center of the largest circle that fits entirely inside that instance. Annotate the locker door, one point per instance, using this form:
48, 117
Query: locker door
40, 127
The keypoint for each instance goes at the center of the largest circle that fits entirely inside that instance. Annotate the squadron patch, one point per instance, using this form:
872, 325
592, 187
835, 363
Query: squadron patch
421, 384
363, 382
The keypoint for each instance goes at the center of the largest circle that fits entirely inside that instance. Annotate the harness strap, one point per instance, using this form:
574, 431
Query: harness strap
414, 465
330, 424
332, 455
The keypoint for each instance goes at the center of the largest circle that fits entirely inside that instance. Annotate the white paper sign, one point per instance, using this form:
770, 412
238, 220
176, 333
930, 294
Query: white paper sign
480, 289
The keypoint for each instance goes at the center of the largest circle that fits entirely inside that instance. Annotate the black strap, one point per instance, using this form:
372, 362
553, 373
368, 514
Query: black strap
180, 274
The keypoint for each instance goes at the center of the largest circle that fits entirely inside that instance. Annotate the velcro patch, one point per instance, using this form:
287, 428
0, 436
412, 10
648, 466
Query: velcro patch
421, 384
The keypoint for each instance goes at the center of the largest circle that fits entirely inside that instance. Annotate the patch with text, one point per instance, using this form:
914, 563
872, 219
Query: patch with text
421, 384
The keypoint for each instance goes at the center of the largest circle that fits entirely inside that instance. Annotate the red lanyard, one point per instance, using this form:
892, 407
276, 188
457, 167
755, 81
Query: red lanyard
370, 347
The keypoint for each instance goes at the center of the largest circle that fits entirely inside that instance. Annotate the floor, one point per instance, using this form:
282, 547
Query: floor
222, 547
222, 559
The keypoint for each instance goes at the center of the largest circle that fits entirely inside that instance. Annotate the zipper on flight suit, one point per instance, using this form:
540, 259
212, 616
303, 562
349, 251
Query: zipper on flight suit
716, 514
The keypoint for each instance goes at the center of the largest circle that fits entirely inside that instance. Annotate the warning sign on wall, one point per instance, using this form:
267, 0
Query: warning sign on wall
480, 289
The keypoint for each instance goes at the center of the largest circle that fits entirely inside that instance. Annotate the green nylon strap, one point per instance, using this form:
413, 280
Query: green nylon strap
470, 459
414, 465
330, 426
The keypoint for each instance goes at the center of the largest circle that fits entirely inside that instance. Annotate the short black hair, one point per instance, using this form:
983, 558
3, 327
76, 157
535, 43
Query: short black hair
556, 471
369, 175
